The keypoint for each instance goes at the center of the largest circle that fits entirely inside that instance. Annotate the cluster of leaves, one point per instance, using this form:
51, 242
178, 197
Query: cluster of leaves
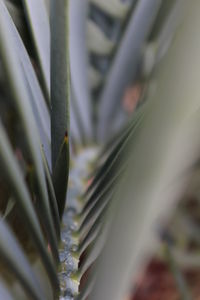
33, 183
106, 230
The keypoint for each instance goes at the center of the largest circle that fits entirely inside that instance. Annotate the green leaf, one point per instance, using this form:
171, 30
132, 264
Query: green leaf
80, 100
98, 199
52, 197
92, 231
92, 254
17, 16
38, 22
36, 97
92, 214
14, 176
125, 62
60, 175
38, 105
60, 93
16, 261
5, 292
116, 154
20, 96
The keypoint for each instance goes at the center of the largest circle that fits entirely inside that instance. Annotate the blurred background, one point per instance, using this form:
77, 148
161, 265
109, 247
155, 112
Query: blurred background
126, 43
118, 44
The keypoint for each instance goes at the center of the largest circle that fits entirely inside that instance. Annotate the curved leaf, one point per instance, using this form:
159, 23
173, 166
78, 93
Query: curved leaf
15, 178
20, 95
36, 98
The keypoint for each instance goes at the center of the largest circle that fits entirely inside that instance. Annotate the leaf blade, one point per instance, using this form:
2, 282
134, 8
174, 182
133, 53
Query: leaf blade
21, 98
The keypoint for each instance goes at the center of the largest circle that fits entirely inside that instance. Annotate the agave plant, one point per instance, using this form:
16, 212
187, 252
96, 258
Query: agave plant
105, 94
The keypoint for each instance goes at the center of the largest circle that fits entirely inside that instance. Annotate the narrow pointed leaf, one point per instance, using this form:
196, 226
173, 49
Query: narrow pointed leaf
16, 261
60, 175
39, 25
20, 95
52, 197
125, 62
79, 64
36, 97
60, 93
15, 179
